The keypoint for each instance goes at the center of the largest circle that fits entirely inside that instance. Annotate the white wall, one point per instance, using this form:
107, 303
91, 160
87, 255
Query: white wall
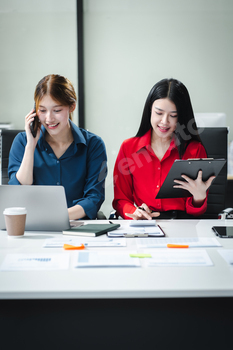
129, 45
132, 44
37, 38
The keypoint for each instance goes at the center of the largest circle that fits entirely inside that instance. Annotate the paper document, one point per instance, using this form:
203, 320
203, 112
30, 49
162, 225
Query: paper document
142, 223
227, 255
178, 257
136, 231
192, 242
17, 262
104, 259
87, 241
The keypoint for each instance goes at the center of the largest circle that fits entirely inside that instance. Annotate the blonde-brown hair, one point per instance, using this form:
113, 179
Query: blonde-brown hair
59, 88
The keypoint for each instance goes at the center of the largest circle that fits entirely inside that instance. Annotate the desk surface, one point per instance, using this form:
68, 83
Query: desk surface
144, 282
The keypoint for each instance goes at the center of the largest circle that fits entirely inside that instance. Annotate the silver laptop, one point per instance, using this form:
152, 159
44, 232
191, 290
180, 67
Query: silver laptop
46, 206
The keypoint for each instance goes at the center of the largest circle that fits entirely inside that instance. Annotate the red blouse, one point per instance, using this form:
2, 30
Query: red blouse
138, 175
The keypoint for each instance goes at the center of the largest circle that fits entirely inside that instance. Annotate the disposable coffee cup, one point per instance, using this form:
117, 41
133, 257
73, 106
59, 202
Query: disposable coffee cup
15, 219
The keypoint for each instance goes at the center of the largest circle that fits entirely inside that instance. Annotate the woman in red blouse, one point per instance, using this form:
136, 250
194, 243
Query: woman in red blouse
167, 132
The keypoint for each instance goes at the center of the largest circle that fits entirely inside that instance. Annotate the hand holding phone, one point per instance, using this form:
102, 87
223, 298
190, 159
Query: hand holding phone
35, 124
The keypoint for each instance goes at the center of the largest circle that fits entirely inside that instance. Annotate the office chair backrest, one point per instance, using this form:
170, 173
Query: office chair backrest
215, 143
7, 137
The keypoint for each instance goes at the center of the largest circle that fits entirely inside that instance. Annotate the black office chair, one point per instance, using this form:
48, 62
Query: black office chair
7, 137
215, 143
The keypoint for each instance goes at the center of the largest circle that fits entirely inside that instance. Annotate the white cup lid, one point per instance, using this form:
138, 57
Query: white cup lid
15, 211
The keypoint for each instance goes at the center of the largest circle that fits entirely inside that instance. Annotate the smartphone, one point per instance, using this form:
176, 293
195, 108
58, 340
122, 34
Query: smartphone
223, 231
35, 124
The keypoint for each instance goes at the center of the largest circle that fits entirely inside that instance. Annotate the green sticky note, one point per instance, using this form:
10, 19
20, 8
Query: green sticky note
140, 255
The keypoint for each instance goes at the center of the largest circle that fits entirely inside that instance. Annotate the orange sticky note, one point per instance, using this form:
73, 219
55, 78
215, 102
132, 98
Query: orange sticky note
177, 246
73, 247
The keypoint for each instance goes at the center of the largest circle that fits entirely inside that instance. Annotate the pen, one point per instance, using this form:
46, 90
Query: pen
177, 246
141, 208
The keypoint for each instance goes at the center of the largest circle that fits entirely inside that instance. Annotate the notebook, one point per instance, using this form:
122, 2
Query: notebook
93, 230
46, 206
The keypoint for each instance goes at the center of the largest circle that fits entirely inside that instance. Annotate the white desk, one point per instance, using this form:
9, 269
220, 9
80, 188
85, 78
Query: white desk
175, 295
156, 282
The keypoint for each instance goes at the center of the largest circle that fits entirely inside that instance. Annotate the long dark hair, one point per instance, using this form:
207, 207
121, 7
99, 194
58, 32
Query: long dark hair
186, 130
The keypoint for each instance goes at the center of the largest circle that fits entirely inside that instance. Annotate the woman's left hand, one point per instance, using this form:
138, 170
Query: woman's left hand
196, 187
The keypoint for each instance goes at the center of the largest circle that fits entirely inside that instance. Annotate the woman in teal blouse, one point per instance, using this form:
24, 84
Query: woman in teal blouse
61, 153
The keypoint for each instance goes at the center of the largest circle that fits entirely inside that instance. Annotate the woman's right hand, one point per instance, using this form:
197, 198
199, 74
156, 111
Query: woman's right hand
25, 172
31, 140
143, 213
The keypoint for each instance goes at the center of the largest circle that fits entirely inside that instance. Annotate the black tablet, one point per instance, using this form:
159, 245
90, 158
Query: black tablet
190, 168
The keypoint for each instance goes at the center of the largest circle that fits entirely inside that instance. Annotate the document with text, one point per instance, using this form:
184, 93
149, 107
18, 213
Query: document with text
106, 259
17, 262
87, 241
137, 231
227, 255
178, 257
192, 242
